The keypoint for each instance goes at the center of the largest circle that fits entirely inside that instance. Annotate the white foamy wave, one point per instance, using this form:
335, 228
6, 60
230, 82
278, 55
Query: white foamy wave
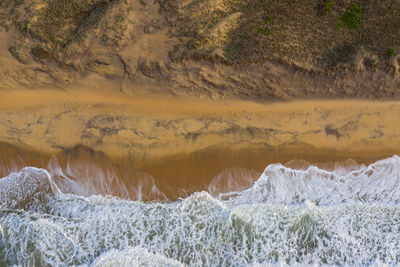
24, 188
136, 256
376, 183
200, 231
287, 217
231, 181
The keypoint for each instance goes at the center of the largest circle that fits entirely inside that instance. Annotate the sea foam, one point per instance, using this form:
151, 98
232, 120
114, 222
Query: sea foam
287, 216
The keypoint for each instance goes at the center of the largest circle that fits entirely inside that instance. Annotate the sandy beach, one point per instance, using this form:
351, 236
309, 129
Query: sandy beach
185, 142
199, 133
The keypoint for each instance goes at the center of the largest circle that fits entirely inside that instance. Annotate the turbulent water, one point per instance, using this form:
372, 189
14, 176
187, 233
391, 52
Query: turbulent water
288, 216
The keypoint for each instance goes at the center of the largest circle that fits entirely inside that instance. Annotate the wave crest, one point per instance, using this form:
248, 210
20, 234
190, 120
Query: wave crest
136, 256
28, 187
376, 183
310, 216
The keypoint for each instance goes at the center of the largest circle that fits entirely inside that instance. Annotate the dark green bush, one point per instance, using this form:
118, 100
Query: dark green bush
352, 17
24, 27
389, 52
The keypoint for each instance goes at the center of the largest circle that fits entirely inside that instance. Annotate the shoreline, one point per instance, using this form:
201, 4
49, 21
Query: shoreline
223, 169
214, 170
185, 142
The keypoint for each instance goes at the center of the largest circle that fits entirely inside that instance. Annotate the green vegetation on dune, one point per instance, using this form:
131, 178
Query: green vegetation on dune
352, 17
314, 34
327, 6
62, 22
52, 25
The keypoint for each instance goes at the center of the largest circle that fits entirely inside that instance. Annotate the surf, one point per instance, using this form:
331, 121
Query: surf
288, 216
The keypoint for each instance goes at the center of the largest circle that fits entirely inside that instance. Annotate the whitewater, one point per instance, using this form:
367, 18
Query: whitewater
287, 217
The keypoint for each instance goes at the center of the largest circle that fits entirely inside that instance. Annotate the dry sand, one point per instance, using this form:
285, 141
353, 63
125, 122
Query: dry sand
184, 142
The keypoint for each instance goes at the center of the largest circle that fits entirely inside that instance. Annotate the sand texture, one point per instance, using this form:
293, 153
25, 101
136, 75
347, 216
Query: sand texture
217, 49
155, 126
185, 143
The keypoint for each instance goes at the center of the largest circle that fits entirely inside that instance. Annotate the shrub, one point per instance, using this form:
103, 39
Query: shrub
268, 19
327, 7
389, 52
24, 27
352, 17
338, 27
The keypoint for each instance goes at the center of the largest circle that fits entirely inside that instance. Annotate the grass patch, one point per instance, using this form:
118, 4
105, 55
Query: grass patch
269, 19
351, 18
290, 31
327, 7
63, 22
389, 53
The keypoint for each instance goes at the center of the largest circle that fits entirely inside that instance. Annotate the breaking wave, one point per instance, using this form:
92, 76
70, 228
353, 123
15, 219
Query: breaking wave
287, 217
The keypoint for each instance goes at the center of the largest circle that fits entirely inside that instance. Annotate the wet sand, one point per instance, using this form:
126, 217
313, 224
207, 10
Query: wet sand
213, 170
182, 142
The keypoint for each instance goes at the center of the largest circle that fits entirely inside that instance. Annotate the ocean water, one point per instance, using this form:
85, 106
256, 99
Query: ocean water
286, 217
